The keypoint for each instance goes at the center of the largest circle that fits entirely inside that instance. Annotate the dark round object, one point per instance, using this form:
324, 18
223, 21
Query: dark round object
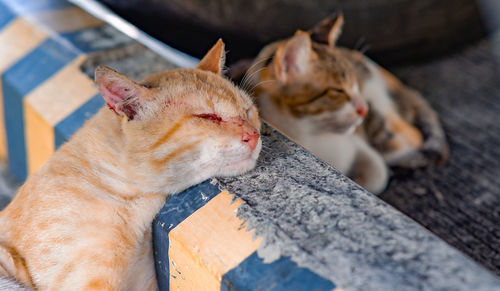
392, 30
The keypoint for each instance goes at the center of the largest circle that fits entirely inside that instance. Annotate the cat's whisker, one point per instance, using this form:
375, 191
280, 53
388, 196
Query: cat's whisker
266, 152
360, 43
247, 82
365, 48
266, 148
262, 82
248, 78
255, 64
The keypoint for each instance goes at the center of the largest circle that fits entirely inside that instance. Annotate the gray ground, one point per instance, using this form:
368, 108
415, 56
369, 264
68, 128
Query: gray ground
460, 202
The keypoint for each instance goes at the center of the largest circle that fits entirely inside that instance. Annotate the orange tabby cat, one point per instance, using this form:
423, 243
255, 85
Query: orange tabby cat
83, 221
318, 94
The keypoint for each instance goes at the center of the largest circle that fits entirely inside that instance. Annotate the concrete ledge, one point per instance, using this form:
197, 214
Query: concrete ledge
307, 211
292, 224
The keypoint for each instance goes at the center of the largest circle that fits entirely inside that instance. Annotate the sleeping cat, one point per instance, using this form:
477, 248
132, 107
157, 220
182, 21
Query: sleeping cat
318, 94
83, 221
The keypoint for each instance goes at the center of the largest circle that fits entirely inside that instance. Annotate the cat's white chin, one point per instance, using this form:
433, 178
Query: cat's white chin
239, 168
350, 129
244, 165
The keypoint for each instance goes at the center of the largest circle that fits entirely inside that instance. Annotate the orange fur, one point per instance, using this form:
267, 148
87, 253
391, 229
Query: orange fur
83, 221
405, 134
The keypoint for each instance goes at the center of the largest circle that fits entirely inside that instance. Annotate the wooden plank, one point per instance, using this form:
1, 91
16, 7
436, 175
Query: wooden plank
209, 243
17, 39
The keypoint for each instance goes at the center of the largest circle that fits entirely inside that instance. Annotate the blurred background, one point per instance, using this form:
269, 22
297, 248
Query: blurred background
392, 31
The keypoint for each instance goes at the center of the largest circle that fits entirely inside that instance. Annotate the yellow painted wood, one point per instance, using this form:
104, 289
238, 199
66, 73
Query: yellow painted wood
64, 20
39, 136
62, 93
50, 103
16, 40
209, 243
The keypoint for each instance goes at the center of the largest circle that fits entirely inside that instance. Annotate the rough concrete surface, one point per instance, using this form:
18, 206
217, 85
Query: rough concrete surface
133, 60
306, 210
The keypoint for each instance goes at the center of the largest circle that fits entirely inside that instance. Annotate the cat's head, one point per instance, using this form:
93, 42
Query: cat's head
313, 80
183, 126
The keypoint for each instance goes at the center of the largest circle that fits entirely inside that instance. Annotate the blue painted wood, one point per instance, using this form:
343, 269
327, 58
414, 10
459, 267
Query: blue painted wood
6, 15
37, 66
281, 275
14, 131
177, 208
69, 125
31, 71
33, 6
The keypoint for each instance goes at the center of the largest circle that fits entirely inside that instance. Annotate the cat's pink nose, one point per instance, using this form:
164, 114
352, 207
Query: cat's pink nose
360, 106
251, 138
362, 110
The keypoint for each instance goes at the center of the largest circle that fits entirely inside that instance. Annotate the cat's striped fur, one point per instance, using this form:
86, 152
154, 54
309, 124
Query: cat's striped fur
318, 94
83, 221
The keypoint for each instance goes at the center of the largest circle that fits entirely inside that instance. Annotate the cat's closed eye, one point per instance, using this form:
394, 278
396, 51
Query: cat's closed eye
337, 90
209, 116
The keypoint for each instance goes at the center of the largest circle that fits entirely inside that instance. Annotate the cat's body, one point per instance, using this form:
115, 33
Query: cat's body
376, 85
79, 216
317, 94
83, 221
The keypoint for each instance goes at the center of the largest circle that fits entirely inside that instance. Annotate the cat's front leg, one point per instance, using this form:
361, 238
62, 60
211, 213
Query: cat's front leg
398, 142
415, 110
13, 272
142, 274
369, 169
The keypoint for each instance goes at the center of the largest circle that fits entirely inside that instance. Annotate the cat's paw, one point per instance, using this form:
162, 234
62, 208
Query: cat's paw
375, 183
410, 160
432, 153
436, 151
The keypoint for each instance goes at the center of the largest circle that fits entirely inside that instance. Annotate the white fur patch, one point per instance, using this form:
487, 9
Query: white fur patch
375, 92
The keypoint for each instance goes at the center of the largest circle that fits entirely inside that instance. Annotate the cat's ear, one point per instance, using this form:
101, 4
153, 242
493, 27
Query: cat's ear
292, 57
328, 30
121, 94
214, 60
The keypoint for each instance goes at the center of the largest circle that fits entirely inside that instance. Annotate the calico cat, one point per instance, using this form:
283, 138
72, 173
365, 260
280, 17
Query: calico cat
318, 94
83, 221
